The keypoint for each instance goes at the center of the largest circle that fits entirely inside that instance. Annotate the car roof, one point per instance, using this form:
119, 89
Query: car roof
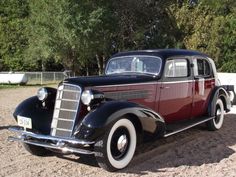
163, 53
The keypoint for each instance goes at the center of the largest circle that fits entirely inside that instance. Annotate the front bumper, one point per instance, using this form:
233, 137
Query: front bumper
66, 145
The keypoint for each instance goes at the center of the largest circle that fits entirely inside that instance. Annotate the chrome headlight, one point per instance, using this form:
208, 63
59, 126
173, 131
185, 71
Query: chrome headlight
42, 94
89, 96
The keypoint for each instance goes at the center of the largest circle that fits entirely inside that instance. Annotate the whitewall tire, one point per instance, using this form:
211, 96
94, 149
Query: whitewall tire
217, 122
116, 148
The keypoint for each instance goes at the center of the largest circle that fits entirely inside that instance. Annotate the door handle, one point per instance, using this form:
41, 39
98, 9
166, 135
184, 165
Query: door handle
166, 87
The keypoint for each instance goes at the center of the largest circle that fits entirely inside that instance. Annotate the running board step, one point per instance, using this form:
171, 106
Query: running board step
176, 128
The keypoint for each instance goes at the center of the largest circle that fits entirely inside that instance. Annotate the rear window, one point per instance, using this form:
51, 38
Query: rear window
176, 68
202, 68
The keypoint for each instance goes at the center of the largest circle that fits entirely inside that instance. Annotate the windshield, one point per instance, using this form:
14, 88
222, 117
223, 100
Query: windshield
134, 64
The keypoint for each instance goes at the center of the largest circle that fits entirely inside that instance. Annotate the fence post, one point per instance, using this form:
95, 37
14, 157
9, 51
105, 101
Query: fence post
41, 78
54, 76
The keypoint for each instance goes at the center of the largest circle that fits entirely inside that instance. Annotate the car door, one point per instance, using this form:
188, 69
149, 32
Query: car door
204, 84
176, 90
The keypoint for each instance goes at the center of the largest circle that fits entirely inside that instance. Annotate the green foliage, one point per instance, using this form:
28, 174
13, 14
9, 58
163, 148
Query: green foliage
82, 35
228, 45
210, 28
70, 32
13, 41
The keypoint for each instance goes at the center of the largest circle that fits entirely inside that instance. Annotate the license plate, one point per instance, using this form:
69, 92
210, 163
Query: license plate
24, 122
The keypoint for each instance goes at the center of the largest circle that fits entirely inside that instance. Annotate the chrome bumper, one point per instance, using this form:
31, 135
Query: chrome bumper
51, 142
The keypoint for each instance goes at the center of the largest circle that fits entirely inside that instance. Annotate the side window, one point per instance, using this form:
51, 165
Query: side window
176, 68
202, 68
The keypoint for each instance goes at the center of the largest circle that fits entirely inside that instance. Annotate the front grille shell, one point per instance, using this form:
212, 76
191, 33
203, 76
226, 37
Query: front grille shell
65, 111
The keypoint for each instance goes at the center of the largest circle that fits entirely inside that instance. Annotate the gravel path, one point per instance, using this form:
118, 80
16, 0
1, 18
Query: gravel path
195, 152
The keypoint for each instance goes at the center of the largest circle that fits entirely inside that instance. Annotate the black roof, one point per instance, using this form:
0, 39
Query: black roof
164, 53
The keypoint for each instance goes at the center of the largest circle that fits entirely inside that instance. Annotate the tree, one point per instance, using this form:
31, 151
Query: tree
13, 37
209, 27
72, 32
82, 35
228, 60
145, 24
95, 27
49, 36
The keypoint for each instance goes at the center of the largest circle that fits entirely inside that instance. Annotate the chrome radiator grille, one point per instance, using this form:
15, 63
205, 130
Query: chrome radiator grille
66, 107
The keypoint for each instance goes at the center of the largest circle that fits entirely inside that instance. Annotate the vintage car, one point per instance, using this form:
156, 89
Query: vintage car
143, 95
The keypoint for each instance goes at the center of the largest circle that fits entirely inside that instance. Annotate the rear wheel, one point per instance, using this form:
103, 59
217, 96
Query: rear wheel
36, 150
217, 122
116, 148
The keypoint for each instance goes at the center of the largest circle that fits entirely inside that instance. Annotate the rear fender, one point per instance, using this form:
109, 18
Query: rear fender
97, 122
219, 92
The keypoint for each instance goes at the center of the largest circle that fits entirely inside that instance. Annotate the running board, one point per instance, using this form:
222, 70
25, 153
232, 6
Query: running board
176, 128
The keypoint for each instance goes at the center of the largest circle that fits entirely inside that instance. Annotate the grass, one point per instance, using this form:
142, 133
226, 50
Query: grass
15, 86
7, 86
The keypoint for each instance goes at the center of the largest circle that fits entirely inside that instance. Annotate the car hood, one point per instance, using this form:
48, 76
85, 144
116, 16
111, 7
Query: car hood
109, 80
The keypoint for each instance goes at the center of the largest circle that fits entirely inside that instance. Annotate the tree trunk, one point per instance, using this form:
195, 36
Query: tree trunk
99, 64
87, 70
103, 63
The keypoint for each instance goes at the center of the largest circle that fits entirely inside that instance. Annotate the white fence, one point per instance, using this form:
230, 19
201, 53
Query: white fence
35, 78
55, 77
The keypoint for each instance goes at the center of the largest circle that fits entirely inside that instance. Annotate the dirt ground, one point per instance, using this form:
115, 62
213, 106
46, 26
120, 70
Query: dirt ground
195, 152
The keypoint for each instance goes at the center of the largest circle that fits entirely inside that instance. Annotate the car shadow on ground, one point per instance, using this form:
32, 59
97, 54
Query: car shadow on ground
83, 159
4, 127
194, 147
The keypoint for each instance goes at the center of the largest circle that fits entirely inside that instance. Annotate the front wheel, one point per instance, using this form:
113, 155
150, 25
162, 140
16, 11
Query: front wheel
217, 122
116, 148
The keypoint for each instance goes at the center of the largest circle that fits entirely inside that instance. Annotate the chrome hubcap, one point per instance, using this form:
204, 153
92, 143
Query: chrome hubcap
218, 113
122, 143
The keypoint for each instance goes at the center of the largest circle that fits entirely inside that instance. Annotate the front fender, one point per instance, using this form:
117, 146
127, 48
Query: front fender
40, 115
98, 121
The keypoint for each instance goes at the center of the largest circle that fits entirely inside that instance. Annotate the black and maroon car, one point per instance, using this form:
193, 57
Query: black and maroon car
143, 95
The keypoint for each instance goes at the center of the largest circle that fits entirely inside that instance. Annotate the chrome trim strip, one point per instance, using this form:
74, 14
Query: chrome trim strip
47, 137
190, 126
63, 119
62, 129
64, 149
170, 82
158, 116
69, 100
122, 85
175, 82
66, 90
149, 83
69, 110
